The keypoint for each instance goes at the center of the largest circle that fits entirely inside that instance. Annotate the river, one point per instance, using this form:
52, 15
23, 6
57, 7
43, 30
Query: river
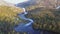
22, 27
27, 27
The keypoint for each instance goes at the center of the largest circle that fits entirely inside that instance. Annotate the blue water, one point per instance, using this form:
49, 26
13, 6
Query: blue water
27, 27
22, 27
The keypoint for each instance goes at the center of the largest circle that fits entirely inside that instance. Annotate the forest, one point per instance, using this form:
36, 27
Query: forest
45, 19
44, 14
8, 19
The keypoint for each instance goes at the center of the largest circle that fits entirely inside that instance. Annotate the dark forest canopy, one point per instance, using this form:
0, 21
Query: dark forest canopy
47, 19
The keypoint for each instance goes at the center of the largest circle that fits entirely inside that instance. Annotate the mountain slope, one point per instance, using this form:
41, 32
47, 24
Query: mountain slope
9, 18
50, 4
25, 4
46, 19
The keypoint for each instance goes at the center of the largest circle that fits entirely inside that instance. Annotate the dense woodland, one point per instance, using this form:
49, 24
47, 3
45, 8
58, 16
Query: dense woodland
51, 4
9, 19
46, 19
43, 13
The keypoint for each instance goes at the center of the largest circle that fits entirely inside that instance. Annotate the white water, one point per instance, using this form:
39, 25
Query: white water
58, 7
24, 27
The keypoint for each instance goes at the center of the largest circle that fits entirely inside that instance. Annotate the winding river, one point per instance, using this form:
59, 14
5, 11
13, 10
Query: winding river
22, 27
27, 27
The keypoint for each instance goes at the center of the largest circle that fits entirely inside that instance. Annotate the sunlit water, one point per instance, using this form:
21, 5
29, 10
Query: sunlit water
22, 27
58, 7
25, 27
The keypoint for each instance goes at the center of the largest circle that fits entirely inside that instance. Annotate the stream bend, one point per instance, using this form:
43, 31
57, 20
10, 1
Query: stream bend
22, 27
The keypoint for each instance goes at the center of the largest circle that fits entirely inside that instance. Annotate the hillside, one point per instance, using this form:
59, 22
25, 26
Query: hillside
9, 18
50, 4
46, 19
